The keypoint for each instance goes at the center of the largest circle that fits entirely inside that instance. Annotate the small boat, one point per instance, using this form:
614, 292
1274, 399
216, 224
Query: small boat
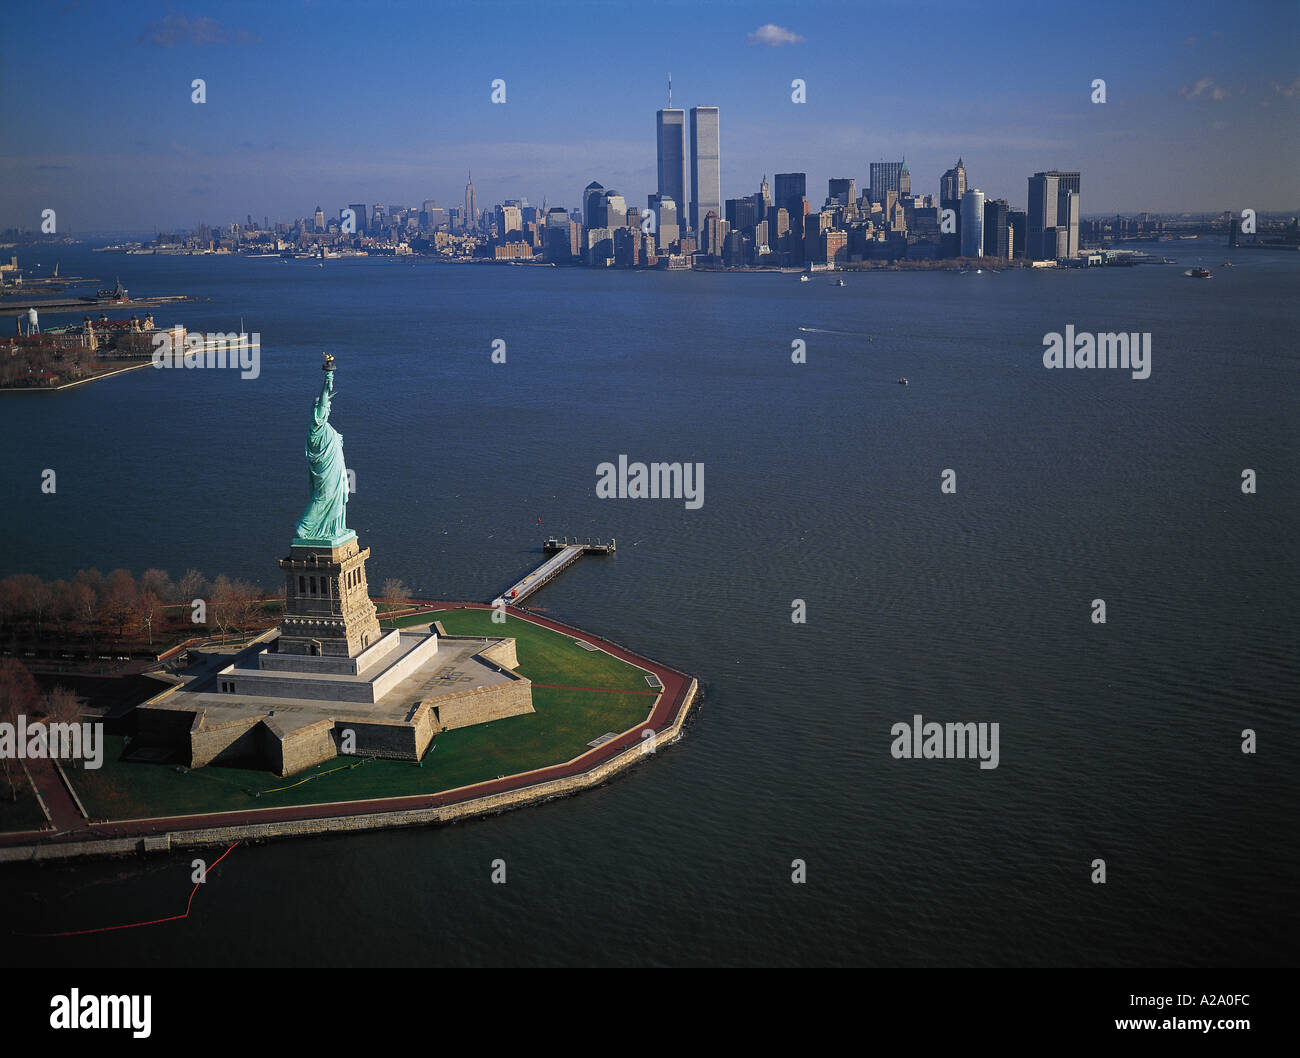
903, 382
1228, 264
803, 279
840, 283
1200, 273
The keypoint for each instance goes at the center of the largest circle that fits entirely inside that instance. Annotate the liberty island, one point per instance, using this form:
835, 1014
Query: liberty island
329, 682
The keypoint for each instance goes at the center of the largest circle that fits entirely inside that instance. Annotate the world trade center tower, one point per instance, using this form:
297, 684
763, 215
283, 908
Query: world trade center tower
670, 135
706, 165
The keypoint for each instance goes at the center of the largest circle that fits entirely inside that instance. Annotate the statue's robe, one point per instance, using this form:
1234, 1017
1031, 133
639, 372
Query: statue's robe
326, 513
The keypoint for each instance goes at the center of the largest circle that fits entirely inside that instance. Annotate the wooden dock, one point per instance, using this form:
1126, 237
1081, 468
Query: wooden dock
561, 554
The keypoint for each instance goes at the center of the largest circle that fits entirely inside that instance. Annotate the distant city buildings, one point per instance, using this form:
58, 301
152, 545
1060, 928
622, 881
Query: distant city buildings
774, 226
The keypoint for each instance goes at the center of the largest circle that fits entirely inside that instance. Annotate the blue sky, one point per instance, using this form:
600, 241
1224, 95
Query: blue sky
333, 103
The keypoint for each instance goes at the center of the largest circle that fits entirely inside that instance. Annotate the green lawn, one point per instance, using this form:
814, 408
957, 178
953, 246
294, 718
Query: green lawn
545, 656
564, 722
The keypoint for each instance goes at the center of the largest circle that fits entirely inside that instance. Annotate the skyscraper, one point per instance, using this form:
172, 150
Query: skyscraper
885, 176
790, 187
972, 223
667, 230
706, 164
952, 185
471, 204
593, 205
996, 232
615, 210
844, 191
1053, 215
670, 139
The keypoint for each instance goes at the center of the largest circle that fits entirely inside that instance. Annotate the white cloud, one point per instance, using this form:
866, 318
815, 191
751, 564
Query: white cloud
774, 36
1205, 88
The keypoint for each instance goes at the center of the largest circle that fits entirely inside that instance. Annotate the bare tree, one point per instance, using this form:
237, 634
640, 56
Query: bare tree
120, 598
81, 603
147, 606
395, 592
248, 605
18, 694
42, 601
158, 582
223, 606
190, 587
62, 705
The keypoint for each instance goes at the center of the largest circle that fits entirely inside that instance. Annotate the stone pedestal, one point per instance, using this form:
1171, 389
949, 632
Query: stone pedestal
327, 607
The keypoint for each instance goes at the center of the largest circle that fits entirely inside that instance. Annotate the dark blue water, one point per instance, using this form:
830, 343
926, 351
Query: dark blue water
822, 482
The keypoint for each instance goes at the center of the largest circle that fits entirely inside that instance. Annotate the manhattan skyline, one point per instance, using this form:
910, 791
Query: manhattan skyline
1199, 116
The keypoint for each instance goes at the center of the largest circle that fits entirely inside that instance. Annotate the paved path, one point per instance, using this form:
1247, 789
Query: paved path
666, 707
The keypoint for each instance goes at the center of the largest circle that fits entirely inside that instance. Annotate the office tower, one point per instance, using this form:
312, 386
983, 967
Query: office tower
712, 234
1067, 220
615, 209
844, 191
471, 204
790, 190
741, 214
593, 205
319, 224
1017, 226
1053, 205
670, 139
885, 176
667, 224
764, 198
952, 185
904, 180
706, 164
509, 219
790, 187
972, 223
996, 233
557, 235
359, 208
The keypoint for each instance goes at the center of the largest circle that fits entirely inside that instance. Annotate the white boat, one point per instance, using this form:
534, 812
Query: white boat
803, 279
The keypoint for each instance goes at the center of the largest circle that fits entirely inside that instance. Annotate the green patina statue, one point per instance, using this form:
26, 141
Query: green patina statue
324, 522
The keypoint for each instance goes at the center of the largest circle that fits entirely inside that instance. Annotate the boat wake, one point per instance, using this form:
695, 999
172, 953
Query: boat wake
824, 330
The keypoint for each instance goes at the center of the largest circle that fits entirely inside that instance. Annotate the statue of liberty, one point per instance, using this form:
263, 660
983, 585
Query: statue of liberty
324, 522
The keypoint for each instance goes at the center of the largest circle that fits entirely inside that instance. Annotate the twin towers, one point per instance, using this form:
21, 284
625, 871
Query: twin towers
705, 161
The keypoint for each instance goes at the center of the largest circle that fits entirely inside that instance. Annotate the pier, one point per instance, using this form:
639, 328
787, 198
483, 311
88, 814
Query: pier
561, 554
